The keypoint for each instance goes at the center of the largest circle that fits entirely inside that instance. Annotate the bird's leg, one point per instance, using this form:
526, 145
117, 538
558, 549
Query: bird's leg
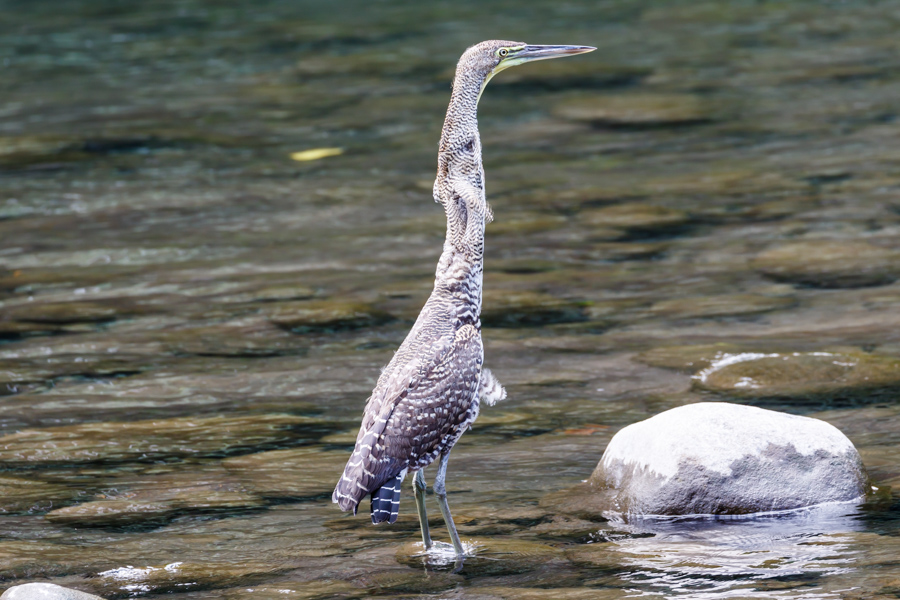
418, 485
441, 492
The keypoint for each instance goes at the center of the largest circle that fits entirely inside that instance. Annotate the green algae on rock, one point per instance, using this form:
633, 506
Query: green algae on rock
151, 440
807, 376
830, 264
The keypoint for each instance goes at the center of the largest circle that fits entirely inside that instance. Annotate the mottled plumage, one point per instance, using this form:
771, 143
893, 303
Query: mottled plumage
430, 392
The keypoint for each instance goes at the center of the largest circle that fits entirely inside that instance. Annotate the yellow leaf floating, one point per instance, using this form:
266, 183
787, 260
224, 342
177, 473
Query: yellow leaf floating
316, 154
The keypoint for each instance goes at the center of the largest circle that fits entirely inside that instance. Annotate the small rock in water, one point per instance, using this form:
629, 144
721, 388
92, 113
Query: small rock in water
830, 264
45, 591
725, 459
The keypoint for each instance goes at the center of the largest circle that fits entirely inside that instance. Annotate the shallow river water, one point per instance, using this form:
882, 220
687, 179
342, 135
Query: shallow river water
191, 319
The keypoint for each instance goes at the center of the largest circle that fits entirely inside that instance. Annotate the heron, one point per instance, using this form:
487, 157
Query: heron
430, 392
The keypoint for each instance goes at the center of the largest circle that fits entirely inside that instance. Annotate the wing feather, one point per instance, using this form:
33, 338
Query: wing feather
423, 407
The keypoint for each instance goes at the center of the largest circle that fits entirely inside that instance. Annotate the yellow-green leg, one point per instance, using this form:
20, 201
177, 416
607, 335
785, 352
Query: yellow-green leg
418, 484
441, 492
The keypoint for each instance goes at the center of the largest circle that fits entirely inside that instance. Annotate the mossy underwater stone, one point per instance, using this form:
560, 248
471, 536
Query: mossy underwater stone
808, 376
726, 459
830, 264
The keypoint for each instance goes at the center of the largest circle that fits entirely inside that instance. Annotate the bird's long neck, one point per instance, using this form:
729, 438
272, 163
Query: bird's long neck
459, 186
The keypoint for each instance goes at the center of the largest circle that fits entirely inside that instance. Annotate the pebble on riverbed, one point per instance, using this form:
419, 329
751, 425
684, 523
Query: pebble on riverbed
830, 264
722, 459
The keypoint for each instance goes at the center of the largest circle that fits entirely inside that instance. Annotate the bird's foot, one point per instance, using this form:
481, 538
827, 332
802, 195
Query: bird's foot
442, 553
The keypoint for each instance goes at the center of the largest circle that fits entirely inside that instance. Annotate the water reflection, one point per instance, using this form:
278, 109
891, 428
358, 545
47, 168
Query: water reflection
739, 557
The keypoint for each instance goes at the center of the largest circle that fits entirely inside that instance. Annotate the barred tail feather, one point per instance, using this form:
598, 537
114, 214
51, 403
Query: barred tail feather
358, 478
386, 500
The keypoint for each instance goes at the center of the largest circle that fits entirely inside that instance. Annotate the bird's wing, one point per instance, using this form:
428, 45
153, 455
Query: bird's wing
437, 405
421, 404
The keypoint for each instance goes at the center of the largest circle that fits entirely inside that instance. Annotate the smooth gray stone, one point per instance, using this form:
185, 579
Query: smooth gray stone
720, 458
45, 591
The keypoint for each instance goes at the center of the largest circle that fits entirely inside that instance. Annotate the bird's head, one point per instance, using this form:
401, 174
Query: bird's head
488, 58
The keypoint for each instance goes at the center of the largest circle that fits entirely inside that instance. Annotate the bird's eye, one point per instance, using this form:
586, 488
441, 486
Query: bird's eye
503, 52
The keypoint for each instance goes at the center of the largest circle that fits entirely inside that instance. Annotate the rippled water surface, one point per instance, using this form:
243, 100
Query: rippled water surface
191, 319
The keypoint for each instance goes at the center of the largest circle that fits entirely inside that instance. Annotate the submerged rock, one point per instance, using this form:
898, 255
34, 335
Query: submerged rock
718, 458
811, 376
326, 316
504, 308
635, 218
183, 577
27, 495
636, 110
45, 591
292, 473
322, 589
725, 305
159, 499
830, 264
688, 359
142, 441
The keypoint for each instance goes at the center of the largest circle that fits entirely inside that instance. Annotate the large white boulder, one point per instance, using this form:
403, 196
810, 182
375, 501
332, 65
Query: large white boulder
45, 591
719, 458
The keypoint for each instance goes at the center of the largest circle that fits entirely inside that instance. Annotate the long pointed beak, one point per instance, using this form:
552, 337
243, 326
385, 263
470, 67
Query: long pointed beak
531, 53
